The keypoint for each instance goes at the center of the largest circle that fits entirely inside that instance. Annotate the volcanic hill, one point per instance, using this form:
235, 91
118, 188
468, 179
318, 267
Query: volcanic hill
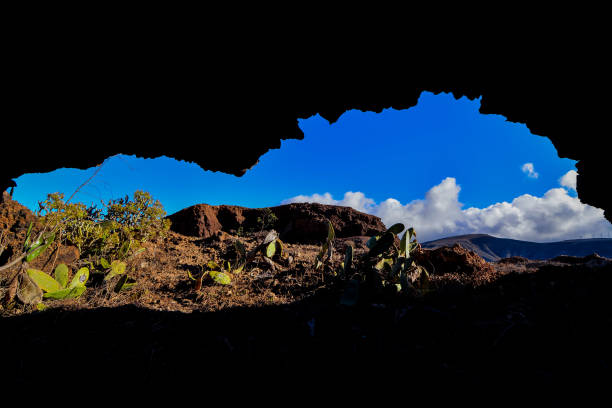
493, 249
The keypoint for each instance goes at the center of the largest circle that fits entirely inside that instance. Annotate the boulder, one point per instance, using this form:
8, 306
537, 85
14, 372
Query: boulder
455, 259
15, 217
308, 222
14, 222
196, 221
305, 223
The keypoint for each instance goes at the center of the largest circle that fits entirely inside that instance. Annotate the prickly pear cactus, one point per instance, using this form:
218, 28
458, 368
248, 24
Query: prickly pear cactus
44, 281
122, 284
327, 250
388, 267
116, 268
271, 249
80, 278
241, 256
56, 289
68, 293
61, 274
220, 277
348, 260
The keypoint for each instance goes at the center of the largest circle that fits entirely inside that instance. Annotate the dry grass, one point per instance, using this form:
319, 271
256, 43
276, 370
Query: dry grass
163, 284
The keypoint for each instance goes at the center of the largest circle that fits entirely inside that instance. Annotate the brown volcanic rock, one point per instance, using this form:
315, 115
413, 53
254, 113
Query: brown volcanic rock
14, 221
455, 259
197, 221
14, 217
298, 222
205, 221
308, 222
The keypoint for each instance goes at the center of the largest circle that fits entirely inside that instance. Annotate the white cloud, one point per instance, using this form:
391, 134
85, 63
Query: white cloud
553, 217
529, 170
315, 198
356, 200
569, 179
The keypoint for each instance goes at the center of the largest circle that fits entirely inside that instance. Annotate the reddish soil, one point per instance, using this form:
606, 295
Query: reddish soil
516, 321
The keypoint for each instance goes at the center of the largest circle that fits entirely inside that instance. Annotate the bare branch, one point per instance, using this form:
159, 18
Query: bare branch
14, 262
99, 167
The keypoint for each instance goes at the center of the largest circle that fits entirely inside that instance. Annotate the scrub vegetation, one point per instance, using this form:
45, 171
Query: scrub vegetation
103, 237
125, 244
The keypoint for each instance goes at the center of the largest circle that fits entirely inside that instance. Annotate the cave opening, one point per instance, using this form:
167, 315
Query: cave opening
440, 166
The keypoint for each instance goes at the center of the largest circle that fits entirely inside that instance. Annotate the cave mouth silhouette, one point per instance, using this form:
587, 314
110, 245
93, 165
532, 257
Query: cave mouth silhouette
515, 333
104, 90
446, 140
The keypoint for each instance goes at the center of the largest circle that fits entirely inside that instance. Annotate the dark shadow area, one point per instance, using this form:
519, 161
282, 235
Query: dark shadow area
543, 329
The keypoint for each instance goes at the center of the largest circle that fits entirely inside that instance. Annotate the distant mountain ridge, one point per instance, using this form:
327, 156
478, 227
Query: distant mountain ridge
493, 249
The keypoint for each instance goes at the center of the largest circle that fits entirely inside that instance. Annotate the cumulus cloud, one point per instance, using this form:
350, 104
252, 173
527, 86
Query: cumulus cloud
529, 170
356, 200
569, 180
553, 217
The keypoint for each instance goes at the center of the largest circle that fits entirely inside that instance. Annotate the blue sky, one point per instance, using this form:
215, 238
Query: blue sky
399, 155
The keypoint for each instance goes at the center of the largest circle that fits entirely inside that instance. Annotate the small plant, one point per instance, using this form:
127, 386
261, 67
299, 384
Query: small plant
347, 265
123, 283
220, 275
33, 249
113, 269
269, 249
58, 287
327, 250
395, 264
267, 220
214, 273
241, 256
20, 283
273, 248
387, 266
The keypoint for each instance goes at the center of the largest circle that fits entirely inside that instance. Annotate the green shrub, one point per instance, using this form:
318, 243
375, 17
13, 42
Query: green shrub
267, 220
99, 235
111, 234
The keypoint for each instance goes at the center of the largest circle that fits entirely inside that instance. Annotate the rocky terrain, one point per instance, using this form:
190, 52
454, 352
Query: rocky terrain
480, 324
